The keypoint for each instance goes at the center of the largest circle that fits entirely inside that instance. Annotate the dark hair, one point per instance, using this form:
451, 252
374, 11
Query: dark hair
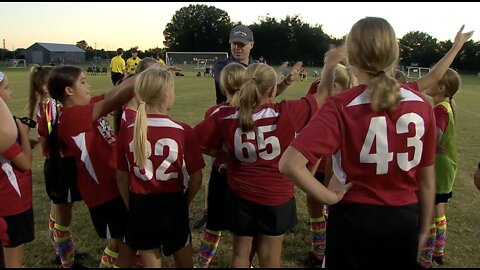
119, 51
60, 78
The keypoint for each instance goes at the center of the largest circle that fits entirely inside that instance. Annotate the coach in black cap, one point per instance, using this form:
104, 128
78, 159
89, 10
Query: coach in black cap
241, 42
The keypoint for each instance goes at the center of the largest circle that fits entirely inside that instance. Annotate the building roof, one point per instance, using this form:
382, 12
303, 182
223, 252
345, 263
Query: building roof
56, 47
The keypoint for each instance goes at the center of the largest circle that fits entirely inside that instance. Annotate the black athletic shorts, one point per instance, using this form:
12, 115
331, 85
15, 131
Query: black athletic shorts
158, 220
67, 191
217, 213
20, 228
371, 236
110, 219
443, 198
248, 218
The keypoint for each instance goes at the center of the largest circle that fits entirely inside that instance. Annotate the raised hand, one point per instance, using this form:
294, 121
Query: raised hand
461, 37
336, 55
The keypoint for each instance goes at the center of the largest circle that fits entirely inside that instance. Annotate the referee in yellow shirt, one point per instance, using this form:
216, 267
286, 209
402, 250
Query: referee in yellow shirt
133, 61
117, 67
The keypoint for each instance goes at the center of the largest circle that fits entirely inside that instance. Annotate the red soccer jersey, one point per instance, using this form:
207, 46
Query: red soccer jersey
128, 117
379, 152
91, 143
15, 185
253, 174
212, 110
173, 154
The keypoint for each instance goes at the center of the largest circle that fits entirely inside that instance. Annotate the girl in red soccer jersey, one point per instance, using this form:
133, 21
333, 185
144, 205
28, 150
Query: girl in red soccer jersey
254, 136
231, 80
159, 165
16, 189
61, 208
317, 221
81, 131
382, 137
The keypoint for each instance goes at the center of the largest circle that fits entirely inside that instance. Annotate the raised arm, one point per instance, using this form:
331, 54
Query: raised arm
118, 96
332, 58
441, 67
287, 81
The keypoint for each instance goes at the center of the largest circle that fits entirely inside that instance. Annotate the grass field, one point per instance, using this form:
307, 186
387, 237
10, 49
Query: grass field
194, 95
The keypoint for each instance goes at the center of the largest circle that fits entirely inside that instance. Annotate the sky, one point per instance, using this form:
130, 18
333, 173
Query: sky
126, 25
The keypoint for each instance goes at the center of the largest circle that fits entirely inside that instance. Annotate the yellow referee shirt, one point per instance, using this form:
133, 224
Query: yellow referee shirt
117, 64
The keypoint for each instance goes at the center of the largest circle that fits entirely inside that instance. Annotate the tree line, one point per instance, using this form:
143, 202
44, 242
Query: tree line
203, 28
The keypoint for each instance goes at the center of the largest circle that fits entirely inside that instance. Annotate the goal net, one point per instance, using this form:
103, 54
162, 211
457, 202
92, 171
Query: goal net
18, 63
194, 62
417, 72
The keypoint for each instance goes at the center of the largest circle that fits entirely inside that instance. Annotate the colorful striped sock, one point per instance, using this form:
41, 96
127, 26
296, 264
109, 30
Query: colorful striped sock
318, 229
426, 252
208, 248
109, 257
441, 227
51, 228
64, 245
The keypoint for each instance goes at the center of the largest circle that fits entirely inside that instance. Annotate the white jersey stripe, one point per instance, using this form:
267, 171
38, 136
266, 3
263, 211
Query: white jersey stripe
364, 97
262, 114
337, 167
160, 122
8, 169
85, 158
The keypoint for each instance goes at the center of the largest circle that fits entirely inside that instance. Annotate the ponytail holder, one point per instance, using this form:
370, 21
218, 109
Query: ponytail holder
252, 78
381, 72
142, 103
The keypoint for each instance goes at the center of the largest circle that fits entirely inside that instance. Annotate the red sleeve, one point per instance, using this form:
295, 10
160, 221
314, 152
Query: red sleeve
411, 85
13, 151
208, 134
429, 142
119, 151
301, 111
441, 117
322, 136
98, 98
78, 118
193, 154
313, 87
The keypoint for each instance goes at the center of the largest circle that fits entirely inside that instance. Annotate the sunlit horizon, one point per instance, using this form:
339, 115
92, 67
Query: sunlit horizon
112, 25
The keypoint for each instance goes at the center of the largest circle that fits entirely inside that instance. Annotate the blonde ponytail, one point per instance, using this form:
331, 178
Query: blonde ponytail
140, 137
384, 93
247, 101
259, 79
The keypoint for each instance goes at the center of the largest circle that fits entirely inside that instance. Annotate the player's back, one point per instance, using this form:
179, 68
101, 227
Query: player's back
382, 151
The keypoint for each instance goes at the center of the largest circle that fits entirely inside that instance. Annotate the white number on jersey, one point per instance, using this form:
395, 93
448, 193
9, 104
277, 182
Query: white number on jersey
262, 143
378, 131
160, 172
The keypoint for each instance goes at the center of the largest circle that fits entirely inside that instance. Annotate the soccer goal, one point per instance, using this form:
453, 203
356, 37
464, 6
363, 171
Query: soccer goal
18, 63
197, 62
417, 72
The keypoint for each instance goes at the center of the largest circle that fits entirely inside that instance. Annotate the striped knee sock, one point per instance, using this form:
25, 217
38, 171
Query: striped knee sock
319, 235
208, 248
441, 227
426, 252
51, 228
108, 258
64, 245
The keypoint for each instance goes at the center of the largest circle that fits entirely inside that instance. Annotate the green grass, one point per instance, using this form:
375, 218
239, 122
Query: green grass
193, 97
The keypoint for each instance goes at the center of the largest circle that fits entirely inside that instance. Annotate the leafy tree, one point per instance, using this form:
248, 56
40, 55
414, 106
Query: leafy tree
198, 28
418, 47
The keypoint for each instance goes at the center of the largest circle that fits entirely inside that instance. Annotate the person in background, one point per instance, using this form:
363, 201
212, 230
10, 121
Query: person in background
117, 67
133, 61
